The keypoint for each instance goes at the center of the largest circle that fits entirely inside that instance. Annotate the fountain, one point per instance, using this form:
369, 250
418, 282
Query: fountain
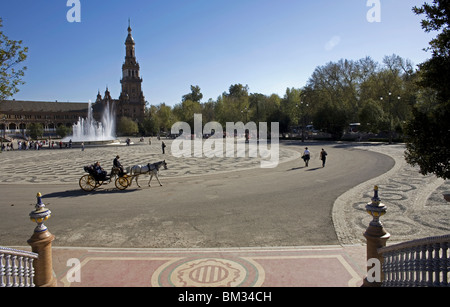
90, 132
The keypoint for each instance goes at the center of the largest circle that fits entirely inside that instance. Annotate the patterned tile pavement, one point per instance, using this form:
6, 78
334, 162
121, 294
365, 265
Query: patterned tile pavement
415, 204
415, 209
323, 266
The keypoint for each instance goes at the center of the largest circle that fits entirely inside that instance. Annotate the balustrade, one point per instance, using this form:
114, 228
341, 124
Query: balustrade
418, 263
16, 268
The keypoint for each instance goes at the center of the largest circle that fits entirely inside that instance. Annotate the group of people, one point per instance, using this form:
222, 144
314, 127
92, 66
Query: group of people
23, 145
307, 156
35, 145
102, 174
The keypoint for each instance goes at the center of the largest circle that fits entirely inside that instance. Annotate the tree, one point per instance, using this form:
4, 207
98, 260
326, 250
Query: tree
12, 54
428, 144
35, 130
127, 126
195, 95
428, 131
234, 106
331, 118
62, 131
186, 110
372, 117
165, 117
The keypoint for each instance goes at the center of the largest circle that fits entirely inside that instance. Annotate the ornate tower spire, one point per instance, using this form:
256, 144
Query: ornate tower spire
132, 101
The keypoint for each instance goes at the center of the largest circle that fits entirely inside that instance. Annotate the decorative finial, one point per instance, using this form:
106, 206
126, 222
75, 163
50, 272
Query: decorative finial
40, 215
376, 209
39, 204
376, 199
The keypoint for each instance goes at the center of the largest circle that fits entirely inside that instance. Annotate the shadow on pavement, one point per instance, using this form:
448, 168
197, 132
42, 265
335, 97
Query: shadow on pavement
80, 193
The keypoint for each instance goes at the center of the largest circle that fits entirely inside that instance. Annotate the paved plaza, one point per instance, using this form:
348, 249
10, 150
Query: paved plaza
415, 204
225, 215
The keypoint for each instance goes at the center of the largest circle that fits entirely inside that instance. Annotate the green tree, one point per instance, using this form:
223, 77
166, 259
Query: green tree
428, 131
234, 106
165, 117
127, 126
186, 110
372, 116
195, 94
331, 118
12, 54
62, 131
293, 106
209, 111
35, 130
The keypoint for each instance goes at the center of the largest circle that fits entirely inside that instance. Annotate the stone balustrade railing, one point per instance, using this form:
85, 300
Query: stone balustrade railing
16, 268
418, 263
25, 269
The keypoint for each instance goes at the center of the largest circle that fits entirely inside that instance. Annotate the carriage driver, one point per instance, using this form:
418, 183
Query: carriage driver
117, 164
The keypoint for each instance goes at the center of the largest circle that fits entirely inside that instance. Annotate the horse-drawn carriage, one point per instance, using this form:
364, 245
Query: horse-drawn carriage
95, 179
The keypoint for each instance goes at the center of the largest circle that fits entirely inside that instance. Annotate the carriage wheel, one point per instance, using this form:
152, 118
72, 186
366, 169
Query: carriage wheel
87, 183
129, 179
122, 183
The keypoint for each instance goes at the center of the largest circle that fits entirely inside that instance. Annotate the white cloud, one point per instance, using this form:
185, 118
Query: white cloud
332, 43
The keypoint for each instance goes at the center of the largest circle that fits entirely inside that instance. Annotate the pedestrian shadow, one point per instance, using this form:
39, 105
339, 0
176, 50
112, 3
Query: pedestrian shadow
313, 169
296, 168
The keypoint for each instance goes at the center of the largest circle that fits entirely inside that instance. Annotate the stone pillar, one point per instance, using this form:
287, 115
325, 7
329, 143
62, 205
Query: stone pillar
41, 244
376, 236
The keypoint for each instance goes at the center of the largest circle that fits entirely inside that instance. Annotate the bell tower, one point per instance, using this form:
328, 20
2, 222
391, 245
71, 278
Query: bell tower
131, 100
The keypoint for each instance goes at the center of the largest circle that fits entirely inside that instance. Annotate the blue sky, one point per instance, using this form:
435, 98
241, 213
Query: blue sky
269, 45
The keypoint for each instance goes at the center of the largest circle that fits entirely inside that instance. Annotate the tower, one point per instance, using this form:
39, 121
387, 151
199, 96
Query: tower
131, 101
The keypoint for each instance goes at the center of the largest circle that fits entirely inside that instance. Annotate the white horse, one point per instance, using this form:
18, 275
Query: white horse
151, 169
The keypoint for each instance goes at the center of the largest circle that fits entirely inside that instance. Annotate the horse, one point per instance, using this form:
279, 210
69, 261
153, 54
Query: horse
115, 172
151, 169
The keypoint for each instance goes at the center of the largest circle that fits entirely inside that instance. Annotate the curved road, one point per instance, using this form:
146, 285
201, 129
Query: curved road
287, 206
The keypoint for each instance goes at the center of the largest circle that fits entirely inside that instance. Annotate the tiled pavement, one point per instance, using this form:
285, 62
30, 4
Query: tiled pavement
415, 210
323, 266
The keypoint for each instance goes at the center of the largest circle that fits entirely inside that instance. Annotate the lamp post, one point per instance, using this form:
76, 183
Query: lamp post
391, 116
303, 119
4, 131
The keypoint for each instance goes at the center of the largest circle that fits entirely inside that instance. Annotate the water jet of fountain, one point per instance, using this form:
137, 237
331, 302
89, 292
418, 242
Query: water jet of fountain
88, 130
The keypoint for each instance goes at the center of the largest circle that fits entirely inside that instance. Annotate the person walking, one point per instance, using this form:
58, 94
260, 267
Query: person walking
163, 146
306, 156
323, 157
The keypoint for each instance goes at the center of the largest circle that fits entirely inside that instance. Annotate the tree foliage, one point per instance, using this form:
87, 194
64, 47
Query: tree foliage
35, 130
337, 94
126, 126
12, 54
429, 129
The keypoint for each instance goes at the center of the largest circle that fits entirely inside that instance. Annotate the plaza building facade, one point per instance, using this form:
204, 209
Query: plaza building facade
17, 115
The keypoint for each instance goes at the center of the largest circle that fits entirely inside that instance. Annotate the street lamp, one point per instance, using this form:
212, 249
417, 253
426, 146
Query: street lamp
304, 119
246, 114
4, 131
391, 119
